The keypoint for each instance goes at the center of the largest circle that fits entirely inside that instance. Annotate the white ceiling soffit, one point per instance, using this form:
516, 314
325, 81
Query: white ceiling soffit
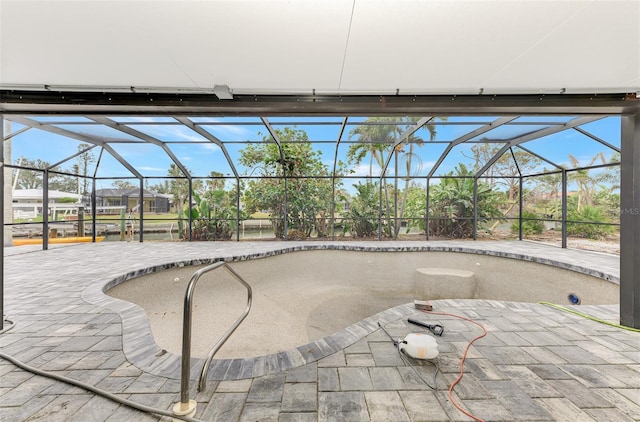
330, 46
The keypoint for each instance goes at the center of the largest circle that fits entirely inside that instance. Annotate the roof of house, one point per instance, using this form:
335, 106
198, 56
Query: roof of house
37, 194
110, 192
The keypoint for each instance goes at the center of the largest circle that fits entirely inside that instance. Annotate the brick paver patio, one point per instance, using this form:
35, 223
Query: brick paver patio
536, 363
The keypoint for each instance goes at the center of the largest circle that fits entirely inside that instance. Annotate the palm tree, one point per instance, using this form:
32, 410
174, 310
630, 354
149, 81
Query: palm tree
377, 136
411, 140
374, 137
586, 184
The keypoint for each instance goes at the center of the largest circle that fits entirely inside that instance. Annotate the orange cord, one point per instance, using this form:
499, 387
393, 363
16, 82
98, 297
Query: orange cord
464, 356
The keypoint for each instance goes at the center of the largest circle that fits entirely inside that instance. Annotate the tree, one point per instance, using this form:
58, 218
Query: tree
504, 171
452, 204
611, 175
308, 191
29, 179
416, 206
221, 207
587, 184
409, 158
161, 187
214, 218
361, 219
213, 211
124, 184
178, 186
547, 193
84, 160
33, 179
375, 139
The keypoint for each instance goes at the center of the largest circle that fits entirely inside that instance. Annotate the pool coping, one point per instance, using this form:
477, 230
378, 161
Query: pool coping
141, 349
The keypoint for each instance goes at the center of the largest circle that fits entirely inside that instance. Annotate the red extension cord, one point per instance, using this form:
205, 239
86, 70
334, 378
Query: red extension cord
464, 356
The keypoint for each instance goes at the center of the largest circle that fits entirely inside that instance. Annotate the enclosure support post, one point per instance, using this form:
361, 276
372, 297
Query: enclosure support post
380, 210
520, 209
630, 222
475, 208
141, 210
93, 209
94, 206
333, 206
190, 219
564, 208
333, 182
284, 206
333, 198
426, 227
2, 216
237, 209
45, 210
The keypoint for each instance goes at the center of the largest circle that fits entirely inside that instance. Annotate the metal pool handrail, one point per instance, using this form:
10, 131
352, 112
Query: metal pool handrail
186, 329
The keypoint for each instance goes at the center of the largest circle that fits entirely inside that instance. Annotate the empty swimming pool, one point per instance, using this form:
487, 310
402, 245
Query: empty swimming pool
303, 296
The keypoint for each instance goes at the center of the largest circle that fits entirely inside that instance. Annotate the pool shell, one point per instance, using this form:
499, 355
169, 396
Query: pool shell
373, 272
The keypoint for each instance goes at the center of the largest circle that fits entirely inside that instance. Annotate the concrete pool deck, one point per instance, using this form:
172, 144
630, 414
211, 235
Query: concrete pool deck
536, 363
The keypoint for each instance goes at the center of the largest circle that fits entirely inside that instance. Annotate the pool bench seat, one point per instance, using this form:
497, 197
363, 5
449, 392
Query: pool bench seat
444, 283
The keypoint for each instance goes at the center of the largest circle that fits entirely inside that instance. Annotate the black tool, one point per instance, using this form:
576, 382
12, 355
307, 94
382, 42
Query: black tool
436, 329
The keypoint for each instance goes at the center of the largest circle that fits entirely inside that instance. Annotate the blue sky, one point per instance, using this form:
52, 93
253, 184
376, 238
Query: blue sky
201, 157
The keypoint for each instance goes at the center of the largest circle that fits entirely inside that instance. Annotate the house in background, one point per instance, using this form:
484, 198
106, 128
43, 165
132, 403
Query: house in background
111, 201
28, 203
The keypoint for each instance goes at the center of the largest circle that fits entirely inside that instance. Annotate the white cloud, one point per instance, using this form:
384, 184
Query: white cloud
230, 132
152, 169
363, 170
174, 133
211, 147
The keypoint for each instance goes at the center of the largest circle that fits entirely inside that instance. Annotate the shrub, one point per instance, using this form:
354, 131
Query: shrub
452, 209
362, 217
529, 227
296, 235
588, 214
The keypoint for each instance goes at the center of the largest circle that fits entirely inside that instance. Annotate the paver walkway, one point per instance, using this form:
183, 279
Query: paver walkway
536, 363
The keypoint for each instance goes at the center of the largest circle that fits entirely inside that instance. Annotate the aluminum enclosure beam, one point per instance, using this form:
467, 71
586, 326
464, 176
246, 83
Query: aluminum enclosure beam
46, 102
343, 126
483, 129
536, 135
407, 133
140, 135
191, 125
77, 136
52, 166
630, 222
